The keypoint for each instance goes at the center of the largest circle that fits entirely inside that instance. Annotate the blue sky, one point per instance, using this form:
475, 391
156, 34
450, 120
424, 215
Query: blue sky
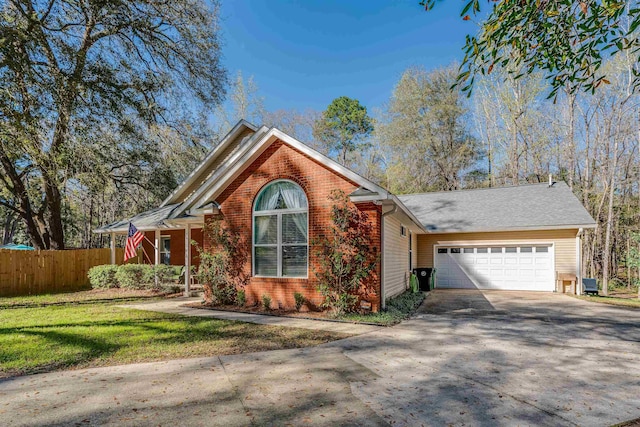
303, 54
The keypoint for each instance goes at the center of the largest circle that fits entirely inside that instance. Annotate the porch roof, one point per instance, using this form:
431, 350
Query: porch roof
146, 221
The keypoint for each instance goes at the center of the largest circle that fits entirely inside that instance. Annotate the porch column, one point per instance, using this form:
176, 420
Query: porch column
112, 247
187, 260
157, 248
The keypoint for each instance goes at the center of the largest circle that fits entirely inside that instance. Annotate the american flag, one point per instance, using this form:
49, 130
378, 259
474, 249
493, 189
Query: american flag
133, 240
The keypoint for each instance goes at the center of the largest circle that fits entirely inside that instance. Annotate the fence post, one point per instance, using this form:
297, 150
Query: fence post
113, 247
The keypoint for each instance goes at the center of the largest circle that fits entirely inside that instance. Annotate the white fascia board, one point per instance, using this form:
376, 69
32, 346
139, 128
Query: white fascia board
254, 150
235, 161
229, 137
498, 230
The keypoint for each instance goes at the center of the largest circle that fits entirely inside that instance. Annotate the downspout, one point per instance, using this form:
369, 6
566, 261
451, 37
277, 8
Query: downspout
383, 302
579, 290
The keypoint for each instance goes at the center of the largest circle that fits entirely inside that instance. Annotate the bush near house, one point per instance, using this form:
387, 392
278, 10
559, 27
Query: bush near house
133, 277
300, 300
266, 302
346, 257
103, 276
221, 264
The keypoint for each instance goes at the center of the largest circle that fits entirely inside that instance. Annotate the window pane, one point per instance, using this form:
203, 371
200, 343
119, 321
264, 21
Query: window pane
266, 261
294, 228
266, 229
481, 250
468, 250
526, 249
542, 249
510, 250
281, 195
294, 261
166, 245
455, 250
165, 258
496, 250
442, 250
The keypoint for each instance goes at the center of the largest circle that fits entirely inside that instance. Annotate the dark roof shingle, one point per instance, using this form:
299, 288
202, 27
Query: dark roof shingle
493, 209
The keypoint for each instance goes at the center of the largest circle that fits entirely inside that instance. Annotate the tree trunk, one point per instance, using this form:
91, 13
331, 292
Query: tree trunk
572, 144
606, 252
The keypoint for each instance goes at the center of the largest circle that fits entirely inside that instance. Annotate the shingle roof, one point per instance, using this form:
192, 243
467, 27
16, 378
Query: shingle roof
494, 209
148, 220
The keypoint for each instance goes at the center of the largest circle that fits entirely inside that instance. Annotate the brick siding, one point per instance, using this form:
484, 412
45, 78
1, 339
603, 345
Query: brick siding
281, 161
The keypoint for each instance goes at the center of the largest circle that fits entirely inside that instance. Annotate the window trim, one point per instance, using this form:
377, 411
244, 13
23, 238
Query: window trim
279, 244
161, 250
410, 251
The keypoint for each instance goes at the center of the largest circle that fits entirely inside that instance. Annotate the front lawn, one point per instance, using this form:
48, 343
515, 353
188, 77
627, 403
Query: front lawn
77, 297
625, 302
72, 336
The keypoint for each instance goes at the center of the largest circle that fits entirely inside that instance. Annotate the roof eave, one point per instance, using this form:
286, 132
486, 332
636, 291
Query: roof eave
496, 230
230, 136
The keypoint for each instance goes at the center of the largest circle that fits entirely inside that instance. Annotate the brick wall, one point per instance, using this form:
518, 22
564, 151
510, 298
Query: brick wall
280, 161
177, 246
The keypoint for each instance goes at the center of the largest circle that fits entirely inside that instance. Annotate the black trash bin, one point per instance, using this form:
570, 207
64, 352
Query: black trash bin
424, 278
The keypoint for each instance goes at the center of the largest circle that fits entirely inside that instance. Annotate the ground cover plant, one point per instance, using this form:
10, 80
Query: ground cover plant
398, 309
57, 337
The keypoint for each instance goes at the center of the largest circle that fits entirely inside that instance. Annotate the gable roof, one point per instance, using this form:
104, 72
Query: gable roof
235, 152
226, 147
525, 207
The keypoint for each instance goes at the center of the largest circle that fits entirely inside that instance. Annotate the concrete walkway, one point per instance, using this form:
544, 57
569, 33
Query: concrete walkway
490, 359
177, 306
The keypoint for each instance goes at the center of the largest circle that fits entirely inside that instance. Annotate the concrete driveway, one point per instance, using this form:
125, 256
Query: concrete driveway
467, 358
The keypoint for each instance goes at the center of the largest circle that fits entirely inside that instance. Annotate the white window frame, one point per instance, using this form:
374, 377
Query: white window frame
411, 251
279, 245
162, 249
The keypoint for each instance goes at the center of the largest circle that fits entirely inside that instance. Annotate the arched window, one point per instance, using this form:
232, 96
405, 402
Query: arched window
280, 231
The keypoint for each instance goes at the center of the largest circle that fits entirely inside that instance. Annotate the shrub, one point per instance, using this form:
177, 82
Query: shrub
103, 276
266, 302
220, 265
166, 278
166, 275
413, 283
135, 276
300, 300
346, 257
241, 298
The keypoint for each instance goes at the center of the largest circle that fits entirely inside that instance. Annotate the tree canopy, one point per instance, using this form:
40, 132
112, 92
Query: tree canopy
82, 81
566, 39
343, 126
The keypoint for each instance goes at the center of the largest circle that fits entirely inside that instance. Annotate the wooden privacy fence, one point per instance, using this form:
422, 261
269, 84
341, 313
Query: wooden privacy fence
43, 272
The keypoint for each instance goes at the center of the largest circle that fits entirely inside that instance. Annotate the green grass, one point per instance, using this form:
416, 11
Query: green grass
625, 302
398, 309
75, 297
73, 336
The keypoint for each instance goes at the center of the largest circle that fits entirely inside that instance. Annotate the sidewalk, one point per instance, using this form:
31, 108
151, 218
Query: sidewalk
176, 306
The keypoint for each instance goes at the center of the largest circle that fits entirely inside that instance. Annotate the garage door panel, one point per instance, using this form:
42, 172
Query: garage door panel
506, 268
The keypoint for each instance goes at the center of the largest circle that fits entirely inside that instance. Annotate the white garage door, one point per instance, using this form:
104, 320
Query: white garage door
527, 268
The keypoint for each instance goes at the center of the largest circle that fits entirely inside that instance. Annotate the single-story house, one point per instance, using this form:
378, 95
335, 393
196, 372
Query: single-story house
274, 190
